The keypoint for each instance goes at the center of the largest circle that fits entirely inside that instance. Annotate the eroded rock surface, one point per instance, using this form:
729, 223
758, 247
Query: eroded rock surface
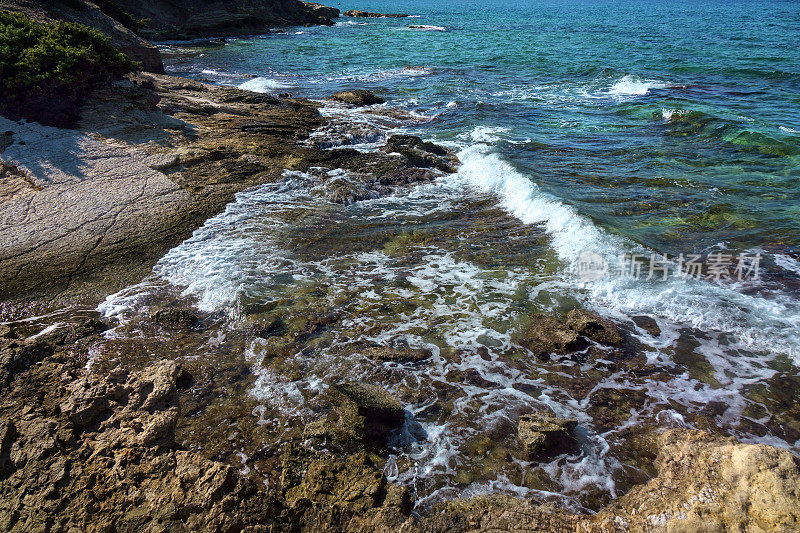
154, 157
97, 451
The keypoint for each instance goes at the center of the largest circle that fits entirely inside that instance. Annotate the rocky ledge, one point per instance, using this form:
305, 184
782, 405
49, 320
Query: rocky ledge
154, 157
83, 451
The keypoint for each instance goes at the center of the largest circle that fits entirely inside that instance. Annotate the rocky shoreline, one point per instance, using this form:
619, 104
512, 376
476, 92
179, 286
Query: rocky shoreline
98, 451
129, 440
175, 154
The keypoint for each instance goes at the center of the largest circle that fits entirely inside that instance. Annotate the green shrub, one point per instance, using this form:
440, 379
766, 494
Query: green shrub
48, 70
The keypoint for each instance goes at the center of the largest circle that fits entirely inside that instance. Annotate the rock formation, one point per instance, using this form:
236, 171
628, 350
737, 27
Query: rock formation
186, 19
111, 197
357, 13
98, 451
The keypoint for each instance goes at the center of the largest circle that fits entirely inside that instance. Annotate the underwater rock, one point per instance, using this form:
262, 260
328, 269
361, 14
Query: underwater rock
546, 435
176, 318
367, 411
594, 327
358, 97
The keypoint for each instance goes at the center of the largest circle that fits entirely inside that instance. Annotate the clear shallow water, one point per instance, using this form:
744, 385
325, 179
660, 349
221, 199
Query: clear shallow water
633, 127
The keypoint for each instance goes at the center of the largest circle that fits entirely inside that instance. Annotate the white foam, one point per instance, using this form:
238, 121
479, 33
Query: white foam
427, 27
787, 263
263, 85
633, 86
757, 323
788, 130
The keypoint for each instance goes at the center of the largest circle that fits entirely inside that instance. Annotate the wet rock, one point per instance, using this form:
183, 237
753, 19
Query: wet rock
594, 327
356, 13
176, 318
546, 435
353, 482
707, 483
648, 324
358, 97
367, 411
421, 154
545, 335
396, 355
474, 377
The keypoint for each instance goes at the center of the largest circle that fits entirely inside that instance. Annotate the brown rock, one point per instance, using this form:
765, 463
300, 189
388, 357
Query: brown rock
367, 411
594, 327
545, 335
359, 97
545, 435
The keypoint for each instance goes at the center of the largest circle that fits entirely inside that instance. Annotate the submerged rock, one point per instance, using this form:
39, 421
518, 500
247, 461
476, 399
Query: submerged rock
358, 97
546, 435
177, 318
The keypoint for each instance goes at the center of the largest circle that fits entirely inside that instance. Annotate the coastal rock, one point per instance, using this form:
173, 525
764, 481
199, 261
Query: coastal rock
103, 16
422, 154
715, 484
395, 355
186, 19
545, 435
356, 13
176, 318
367, 411
545, 335
359, 97
594, 327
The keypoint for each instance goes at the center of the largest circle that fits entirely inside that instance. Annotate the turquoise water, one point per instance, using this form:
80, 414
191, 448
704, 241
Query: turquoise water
673, 123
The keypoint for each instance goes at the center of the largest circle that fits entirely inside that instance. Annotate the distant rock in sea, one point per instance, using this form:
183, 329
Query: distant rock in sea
366, 14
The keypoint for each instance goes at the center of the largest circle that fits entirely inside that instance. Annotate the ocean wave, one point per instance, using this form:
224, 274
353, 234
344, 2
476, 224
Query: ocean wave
754, 322
630, 85
263, 85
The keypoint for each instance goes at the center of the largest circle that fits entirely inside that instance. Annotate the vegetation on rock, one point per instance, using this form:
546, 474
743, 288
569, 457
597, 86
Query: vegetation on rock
47, 70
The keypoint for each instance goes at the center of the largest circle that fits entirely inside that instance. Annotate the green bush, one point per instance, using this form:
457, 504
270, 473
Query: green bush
48, 70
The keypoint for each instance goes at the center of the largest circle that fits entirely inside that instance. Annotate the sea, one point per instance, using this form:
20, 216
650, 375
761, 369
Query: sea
639, 159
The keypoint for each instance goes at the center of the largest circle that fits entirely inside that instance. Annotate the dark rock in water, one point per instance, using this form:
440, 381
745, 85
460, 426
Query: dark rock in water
421, 154
594, 327
546, 335
176, 318
648, 324
359, 97
187, 19
473, 377
6, 331
356, 13
545, 435
367, 411
396, 355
